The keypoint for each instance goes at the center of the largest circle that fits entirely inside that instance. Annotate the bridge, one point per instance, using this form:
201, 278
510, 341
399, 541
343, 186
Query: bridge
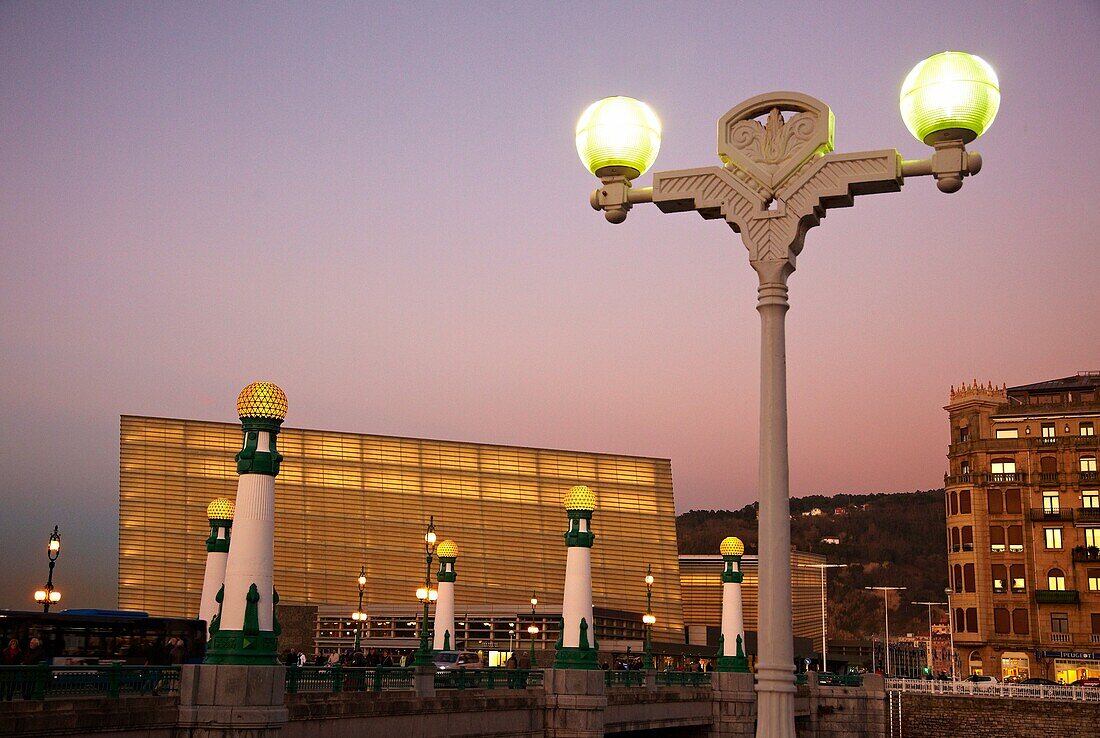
314, 702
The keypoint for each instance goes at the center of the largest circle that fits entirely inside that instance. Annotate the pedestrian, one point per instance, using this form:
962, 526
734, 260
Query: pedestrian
177, 653
10, 656
301, 658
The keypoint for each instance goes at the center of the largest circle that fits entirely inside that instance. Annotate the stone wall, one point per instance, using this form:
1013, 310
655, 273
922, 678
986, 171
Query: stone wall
845, 711
299, 623
141, 717
988, 717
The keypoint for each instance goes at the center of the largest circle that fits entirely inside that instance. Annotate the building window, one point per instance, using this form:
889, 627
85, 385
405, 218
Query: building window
1094, 579
1096, 622
996, 539
1092, 537
964, 434
1006, 433
1090, 499
1050, 502
1053, 538
954, 498
1000, 580
971, 620
956, 540
1015, 538
1056, 580
1088, 429
1016, 577
957, 570
1002, 466
1048, 433
968, 578
1002, 620
1059, 622
960, 620
964, 502
995, 501
1019, 621
964, 469
1088, 464
1012, 501
968, 538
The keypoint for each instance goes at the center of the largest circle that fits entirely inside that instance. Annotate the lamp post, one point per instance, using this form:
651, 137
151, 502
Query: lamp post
359, 616
824, 608
48, 595
426, 595
930, 604
951, 630
649, 619
532, 629
777, 180
886, 608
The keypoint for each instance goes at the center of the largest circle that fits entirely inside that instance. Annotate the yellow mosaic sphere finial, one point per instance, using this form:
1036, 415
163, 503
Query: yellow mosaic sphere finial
261, 400
220, 509
447, 550
732, 546
580, 498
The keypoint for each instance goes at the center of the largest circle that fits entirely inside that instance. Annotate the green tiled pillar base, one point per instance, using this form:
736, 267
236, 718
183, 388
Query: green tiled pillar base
237, 647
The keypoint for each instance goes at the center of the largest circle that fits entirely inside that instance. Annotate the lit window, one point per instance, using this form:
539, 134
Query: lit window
964, 435
1088, 429
1090, 499
1092, 537
1050, 502
1056, 580
1053, 537
1088, 464
1094, 579
1007, 433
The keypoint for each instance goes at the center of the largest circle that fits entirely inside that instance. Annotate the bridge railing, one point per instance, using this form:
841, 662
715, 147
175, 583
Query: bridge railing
683, 679
40, 681
350, 679
624, 678
996, 689
488, 678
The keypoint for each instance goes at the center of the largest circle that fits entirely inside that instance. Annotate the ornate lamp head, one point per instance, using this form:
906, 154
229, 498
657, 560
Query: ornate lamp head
732, 546
447, 550
580, 498
221, 509
262, 401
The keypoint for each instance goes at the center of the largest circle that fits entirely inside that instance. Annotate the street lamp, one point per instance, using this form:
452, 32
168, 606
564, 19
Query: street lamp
886, 608
532, 629
48, 595
359, 616
824, 608
426, 595
951, 630
930, 604
649, 619
777, 180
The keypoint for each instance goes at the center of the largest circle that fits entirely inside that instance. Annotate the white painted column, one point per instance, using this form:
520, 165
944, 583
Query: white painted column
577, 599
220, 514
445, 602
577, 647
251, 558
733, 620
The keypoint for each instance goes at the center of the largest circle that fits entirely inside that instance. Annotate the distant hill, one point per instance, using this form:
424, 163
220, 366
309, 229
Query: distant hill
886, 539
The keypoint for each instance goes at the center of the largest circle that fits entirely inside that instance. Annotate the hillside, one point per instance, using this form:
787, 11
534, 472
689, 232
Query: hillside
886, 539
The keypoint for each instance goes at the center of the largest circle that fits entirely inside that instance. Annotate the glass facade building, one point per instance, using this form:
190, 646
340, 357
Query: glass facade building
349, 500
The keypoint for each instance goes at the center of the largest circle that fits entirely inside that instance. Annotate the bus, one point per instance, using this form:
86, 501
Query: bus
88, 637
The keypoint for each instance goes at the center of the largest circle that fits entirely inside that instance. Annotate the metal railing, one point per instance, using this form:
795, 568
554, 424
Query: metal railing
995, 689
488, 678
41, 681
624, 678
839, 680
1057, 596
347, 679
683, 679
1088, 513
1058, 514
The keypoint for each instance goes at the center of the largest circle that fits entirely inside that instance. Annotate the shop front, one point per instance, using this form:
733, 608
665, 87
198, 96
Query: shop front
1069, 666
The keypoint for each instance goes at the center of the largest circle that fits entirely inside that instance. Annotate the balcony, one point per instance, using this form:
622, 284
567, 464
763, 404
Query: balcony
1048, 478
1057, 596
1088, 514
1057, 638
1006, 478
1086, 555
1053, 516
1088, 476
985, 479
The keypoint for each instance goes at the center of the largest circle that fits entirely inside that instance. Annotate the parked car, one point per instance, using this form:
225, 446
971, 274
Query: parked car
981, 679
1039, 680
456, 660
1087, 682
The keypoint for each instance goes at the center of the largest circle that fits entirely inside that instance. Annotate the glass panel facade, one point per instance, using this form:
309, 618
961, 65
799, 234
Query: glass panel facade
345, 500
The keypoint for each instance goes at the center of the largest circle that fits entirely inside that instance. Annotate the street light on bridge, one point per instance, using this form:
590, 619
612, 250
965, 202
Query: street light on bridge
776, 181
48, 595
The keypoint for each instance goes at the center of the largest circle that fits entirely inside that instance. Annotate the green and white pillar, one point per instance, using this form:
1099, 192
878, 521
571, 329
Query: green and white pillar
444, 638
220, 514
731, 648
246, 626
577, 647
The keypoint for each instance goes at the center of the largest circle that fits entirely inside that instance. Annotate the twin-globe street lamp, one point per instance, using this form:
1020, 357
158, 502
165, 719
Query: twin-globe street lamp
649, 619
359, 616
777, 180
48, 595
532, 629
426, 595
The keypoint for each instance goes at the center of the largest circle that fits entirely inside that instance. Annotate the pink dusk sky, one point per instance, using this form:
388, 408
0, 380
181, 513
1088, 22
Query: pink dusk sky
380, 208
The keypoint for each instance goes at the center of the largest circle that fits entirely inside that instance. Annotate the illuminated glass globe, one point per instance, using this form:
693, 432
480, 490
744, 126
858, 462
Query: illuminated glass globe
580, 498
618, 135
262, 400
950, 96
220, 509
732, 546
447, 550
